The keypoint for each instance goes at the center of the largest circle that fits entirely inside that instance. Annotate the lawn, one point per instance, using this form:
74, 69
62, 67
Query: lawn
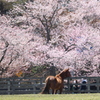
52, 97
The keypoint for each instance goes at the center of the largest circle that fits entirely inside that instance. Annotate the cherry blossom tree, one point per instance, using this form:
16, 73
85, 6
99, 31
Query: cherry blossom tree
60, 33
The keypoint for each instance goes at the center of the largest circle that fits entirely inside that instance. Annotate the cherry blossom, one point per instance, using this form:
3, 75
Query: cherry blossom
65, 33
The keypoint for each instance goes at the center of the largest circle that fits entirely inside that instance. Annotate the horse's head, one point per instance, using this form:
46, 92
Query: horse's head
65, 73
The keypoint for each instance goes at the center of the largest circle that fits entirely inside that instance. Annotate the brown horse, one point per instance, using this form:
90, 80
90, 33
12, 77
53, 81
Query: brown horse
55, 82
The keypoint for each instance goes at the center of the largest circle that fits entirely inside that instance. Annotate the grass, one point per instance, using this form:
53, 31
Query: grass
52, 97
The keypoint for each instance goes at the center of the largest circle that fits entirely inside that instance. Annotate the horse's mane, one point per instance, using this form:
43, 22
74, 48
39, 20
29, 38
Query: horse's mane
61, 73
65, 70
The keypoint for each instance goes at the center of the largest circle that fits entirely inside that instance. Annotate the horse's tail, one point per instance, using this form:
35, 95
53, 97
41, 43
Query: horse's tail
46, 88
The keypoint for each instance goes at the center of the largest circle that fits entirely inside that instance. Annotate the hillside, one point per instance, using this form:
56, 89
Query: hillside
60, 33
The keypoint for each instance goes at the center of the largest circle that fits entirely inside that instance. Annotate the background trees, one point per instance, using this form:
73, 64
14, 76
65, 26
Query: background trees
64, 34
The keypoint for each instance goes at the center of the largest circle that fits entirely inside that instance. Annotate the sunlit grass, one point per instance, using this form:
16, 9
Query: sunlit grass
52, 97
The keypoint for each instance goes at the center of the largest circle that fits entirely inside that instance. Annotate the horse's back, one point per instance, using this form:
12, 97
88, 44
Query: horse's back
50, 78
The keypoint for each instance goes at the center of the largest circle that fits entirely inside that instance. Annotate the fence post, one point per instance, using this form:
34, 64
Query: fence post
40, 80
8, 83
98, 84
13, 86
34, 89
88, 85
41, 84
68, 85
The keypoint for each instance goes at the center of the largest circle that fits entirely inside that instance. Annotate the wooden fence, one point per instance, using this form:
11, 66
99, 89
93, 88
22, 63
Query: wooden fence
35, 85
82, 85
21, 85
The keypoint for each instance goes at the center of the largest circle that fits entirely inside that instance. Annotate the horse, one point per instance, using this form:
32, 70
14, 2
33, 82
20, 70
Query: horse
55, 82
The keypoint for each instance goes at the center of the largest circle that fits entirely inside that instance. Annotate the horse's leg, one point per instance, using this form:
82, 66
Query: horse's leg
60, 91
52, 91
48, 91
55, 91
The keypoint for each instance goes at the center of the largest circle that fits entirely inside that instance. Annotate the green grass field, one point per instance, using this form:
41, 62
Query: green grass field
52, 97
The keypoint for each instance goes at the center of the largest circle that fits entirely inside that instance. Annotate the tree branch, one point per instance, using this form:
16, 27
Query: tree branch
4, 52
69, 48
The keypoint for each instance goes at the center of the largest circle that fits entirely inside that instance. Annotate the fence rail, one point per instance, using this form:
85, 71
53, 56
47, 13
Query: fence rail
20, 85
35, 85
